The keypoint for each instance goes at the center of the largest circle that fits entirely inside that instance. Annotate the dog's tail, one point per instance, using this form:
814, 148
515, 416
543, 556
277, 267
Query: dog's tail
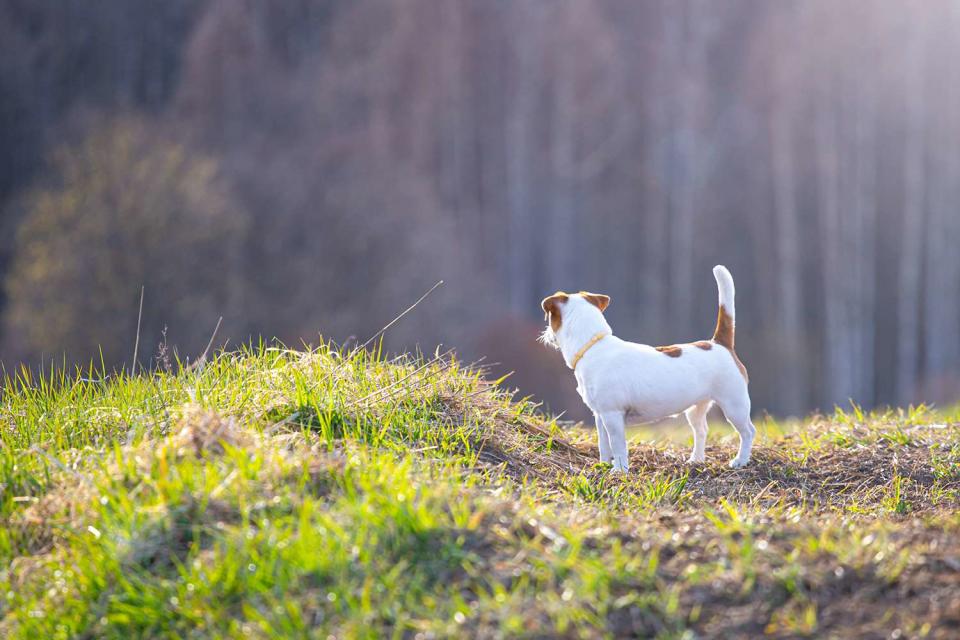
727, 319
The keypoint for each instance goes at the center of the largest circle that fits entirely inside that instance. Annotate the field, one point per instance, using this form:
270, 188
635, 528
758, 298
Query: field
280, 493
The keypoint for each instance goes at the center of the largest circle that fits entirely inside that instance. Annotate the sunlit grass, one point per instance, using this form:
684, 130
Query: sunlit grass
279, 493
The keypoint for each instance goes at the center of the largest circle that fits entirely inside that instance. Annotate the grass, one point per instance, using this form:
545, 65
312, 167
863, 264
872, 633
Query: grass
282, 493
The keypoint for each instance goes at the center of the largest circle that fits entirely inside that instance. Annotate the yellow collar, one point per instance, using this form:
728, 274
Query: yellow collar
583, 350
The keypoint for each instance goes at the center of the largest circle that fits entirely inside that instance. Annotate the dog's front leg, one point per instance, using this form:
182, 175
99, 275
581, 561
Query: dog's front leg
613, 422
603, 440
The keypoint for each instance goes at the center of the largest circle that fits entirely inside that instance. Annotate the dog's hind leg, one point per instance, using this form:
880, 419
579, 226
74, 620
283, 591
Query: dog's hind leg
737, 413
697, 417
603, 440
613, 421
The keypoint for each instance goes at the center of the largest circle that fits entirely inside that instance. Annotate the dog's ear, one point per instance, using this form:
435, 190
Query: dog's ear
550, 304
598, 300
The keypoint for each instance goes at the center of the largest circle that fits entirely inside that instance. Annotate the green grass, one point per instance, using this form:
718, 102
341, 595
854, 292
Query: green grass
281, 493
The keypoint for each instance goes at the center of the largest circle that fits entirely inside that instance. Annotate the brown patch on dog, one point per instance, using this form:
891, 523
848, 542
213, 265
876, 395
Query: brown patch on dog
551, 309
706, 345
673, 351
724, 335
598, 300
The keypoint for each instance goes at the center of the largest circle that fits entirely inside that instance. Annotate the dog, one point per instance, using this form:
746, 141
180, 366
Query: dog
619, 379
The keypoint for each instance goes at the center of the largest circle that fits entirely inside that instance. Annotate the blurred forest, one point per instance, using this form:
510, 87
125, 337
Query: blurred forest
312, 167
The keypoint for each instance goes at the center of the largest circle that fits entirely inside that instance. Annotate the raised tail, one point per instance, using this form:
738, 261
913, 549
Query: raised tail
727, 319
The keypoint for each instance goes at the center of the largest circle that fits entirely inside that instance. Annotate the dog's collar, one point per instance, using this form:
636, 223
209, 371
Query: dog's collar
583, 350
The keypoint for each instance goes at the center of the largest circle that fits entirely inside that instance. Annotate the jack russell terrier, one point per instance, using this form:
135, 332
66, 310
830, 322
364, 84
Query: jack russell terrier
617, 379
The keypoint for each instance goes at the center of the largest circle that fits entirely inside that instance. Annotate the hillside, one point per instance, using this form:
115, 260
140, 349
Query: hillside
274, 492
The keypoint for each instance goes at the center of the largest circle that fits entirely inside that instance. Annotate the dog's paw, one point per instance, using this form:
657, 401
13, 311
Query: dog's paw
737, 463
696, 459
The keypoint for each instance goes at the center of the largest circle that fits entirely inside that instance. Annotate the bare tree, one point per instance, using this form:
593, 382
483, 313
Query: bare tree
520, 145
942, 288
789, 316
914, 203
686, 29
563, 208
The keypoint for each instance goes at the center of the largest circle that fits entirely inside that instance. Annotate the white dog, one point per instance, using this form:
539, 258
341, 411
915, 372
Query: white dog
617, 379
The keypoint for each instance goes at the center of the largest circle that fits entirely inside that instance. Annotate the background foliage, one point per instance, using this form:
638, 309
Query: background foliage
314, 166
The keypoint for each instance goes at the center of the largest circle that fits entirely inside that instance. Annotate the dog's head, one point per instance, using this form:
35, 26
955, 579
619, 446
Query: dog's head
564, 305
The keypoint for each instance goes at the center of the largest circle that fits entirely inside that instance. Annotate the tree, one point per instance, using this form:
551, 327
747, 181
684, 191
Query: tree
942, 270
784, 171
130, 207
911, 256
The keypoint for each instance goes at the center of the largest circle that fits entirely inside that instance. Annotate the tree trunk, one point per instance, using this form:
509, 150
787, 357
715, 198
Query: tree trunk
942, 299
685, 33
911, 254
864, 209
520, 157
836, 347
563, 206
789, 285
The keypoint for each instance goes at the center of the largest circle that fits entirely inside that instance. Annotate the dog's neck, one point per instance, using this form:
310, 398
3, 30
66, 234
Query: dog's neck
577, 330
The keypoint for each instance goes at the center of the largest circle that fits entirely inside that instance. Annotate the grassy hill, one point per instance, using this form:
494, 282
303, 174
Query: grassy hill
274, 492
